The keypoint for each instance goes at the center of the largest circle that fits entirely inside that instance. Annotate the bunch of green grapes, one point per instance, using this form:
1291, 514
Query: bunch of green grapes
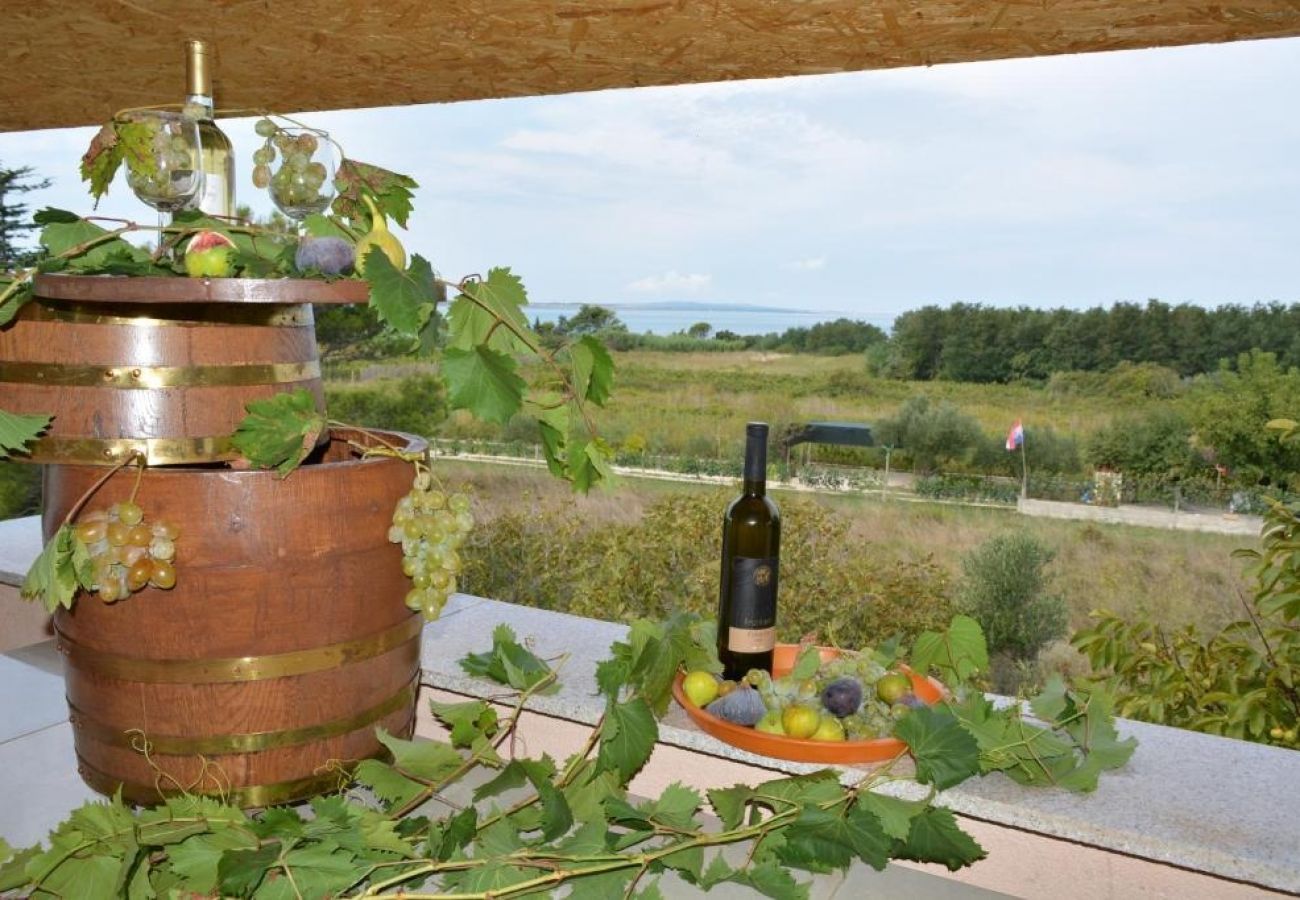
127, 553
430, 526
299, 183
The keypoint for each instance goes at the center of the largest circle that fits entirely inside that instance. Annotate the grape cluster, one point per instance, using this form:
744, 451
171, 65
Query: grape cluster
167, 170
126, 553
430, 526
298, 185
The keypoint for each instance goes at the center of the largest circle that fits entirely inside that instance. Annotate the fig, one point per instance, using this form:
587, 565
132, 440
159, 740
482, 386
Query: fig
743, 706
209, 254
327, 255
378, 236
842, 697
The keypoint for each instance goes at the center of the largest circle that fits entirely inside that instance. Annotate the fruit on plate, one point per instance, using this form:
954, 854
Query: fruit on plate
843, 696
209, 254
743, 706
892, 687
770, 723
701, 687
378, 236
829, 729
800, 720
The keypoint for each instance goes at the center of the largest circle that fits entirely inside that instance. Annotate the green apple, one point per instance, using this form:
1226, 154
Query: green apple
829, 729
770, 723
209, 254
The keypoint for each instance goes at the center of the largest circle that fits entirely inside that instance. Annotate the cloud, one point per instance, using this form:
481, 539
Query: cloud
671, 281
808, 264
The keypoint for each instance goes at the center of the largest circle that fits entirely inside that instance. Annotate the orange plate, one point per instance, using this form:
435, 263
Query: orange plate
799, 749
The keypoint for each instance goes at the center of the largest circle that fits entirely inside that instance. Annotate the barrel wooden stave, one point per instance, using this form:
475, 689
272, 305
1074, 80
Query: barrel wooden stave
154, 370
268, 568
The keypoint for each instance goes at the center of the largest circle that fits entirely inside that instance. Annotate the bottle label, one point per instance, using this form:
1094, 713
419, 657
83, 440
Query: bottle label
752, 628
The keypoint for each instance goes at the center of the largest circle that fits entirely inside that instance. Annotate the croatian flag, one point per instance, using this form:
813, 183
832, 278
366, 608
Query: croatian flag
1016, 436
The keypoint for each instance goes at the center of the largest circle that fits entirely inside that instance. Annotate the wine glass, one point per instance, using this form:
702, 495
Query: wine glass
164, 164
304, 182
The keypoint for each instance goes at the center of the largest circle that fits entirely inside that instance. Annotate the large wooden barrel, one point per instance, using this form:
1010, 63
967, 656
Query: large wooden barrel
163, 366
264, 672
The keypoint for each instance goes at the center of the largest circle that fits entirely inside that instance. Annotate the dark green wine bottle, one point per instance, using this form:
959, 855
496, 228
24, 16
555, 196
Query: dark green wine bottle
751, 549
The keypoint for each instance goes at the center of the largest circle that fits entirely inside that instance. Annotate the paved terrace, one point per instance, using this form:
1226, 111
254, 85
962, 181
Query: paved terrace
1191, 816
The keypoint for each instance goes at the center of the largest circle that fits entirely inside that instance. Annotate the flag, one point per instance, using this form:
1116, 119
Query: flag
1016, 436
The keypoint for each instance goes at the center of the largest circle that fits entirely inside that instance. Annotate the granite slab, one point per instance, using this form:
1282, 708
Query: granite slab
1196, 801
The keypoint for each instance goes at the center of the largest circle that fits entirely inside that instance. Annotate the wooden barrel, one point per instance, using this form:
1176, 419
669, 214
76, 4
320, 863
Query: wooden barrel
164, 366
265, 671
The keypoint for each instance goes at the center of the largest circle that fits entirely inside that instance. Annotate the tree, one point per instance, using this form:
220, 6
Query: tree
590, 319
699, 330
14, 219
931, 433
1229, 408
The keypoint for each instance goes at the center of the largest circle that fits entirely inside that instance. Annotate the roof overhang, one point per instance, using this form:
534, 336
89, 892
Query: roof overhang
74, 63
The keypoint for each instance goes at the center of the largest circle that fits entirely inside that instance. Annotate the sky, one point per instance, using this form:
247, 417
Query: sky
1057, 181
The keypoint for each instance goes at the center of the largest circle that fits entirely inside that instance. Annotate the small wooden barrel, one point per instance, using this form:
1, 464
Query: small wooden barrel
164, 366
265, 671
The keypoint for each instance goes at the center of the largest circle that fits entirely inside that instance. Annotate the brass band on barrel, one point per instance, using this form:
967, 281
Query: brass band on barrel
246, 797
153, 377
184, 315
156, 451
240, 668
252, 742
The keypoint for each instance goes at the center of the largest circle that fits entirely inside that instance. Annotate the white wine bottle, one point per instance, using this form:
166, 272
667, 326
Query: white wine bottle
218, 197
751, 550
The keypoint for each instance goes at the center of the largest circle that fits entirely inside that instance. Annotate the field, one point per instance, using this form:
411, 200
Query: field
1175, 577
697, 403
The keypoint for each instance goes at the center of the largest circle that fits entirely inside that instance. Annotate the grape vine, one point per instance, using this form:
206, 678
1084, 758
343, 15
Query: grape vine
532, 825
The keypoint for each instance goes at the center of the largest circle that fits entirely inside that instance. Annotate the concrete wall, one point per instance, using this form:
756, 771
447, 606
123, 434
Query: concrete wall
1149, 518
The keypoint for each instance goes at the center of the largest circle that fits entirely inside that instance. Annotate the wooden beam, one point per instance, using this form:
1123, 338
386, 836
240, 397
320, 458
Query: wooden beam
75, 63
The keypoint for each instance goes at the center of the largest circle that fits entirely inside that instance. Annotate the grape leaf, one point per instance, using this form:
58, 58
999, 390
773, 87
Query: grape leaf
318, 225
730, 803
60, 237
16, 297
18, 430
771, 880
489, 312
455, 834
428, 760
239, 872
101, 160
388, 785
280, 431
894, 815
593, 369
817, 840
484, 382
957, 653
467, 720
600, 885
508, 662
627, 737
780, 794
404, 300
62, 567
318, 870
135, 142
390, 191
806, 663
935, 837
13, 872
588, 463
556, 818
945, 752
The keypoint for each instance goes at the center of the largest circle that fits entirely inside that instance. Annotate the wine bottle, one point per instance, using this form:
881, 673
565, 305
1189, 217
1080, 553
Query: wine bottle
751, 544
218, 197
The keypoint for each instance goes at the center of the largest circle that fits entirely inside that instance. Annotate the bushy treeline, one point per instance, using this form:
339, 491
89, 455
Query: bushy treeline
971, 342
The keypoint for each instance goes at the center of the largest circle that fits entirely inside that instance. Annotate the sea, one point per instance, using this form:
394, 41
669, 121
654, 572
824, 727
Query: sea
668, 318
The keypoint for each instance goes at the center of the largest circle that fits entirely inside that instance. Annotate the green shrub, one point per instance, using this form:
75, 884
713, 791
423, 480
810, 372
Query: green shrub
415, 404
1005, 588
833, 587
20, 489
1244, 680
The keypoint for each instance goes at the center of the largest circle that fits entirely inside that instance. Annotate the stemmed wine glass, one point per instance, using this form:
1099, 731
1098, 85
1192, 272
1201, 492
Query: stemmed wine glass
164, 165
304, 182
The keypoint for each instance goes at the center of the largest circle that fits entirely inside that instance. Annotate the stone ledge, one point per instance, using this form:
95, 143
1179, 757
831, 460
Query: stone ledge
1198, 802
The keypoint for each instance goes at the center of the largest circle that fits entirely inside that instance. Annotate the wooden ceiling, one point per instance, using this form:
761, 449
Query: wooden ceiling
74, 62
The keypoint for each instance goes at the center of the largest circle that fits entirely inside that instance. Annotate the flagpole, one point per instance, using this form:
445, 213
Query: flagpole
1024, 469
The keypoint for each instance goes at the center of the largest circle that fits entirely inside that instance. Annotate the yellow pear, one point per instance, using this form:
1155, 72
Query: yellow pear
378, 236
